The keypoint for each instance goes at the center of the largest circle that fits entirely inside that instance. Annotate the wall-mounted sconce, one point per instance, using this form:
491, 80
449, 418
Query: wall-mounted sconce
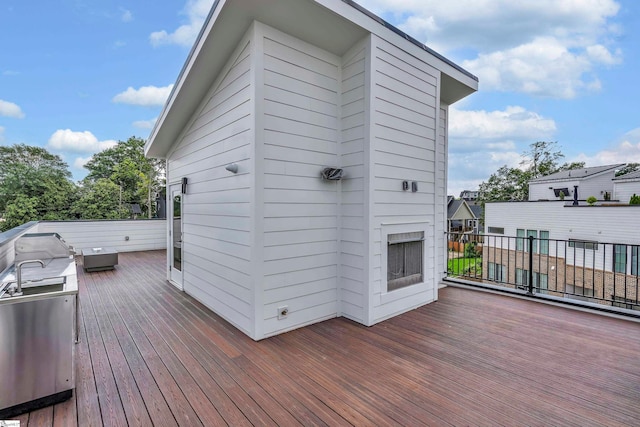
405, 185
332, 174
233, 168
414, 186
184, 185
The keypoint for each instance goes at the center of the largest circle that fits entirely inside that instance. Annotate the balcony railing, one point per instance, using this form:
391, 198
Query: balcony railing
596, 274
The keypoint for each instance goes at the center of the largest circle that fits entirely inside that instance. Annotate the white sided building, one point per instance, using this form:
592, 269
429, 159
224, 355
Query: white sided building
273, 94
604, 236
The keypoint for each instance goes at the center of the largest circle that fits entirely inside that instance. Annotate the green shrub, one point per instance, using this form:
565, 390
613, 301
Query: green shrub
470, 250
591, 200
635, 200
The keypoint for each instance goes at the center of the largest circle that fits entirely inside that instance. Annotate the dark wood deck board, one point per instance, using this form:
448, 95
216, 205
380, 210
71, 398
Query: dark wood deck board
151, 355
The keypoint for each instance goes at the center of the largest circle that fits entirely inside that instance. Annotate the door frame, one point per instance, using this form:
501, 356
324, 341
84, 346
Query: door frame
175, 276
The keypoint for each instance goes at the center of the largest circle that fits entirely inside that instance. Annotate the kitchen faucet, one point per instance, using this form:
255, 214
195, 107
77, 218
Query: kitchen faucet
19, 273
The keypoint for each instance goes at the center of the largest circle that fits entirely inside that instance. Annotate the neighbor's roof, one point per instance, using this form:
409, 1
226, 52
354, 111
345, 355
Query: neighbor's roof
332, 25
454, 207
576, 173
476, 209
629, 176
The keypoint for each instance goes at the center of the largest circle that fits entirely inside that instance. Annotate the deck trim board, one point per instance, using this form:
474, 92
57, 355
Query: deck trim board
151, 355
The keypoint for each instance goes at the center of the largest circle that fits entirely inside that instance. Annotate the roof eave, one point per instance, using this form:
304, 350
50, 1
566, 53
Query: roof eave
228, 21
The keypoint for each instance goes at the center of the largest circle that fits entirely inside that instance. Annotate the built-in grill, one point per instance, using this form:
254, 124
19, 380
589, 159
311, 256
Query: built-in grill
44, 246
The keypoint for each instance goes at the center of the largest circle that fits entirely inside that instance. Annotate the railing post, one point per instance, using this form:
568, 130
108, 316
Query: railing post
530, 287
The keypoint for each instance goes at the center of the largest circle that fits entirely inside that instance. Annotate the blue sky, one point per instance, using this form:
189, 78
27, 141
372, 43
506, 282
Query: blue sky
78, 75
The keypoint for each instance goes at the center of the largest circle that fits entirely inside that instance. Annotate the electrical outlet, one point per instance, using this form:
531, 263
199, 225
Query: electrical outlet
283, 312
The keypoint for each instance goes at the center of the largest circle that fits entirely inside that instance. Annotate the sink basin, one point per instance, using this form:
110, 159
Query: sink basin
35, 287
35, 290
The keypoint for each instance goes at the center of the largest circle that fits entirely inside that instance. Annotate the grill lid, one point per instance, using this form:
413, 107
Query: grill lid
41, 246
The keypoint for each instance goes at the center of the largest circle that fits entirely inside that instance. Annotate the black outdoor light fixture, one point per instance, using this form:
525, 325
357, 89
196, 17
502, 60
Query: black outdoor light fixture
184, 185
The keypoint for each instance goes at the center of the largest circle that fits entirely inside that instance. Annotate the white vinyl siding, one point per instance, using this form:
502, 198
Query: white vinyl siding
405, 107
301, 229
217, 205
353, 282
623, 190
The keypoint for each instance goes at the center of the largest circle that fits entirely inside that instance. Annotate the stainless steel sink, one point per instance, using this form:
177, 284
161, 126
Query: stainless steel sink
34, 287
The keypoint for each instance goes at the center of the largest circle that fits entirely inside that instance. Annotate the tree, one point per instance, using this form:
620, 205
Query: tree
20, 210
137, 177
36, 174
628, 168
101, 200
508, 183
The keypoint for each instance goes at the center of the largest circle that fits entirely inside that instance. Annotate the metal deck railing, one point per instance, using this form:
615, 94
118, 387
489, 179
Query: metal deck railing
578, 272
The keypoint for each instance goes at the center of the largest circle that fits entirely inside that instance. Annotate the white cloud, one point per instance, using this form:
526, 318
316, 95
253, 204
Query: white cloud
547, 48
145, 124
480, 142
9, 109
79, 142
196, 12
149, 96
79, 162
543, 67
496, 126
126, 16
627, 150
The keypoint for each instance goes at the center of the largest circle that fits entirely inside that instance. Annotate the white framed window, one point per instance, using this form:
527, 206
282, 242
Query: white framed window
496, 272
520, 239
583, 244
620, 258
544, 242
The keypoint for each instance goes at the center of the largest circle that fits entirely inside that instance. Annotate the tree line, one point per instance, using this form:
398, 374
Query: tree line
36, 184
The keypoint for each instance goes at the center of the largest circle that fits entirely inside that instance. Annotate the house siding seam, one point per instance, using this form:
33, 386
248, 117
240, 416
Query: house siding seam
353, 247
403, 148
217, 206
441, 194
301, 127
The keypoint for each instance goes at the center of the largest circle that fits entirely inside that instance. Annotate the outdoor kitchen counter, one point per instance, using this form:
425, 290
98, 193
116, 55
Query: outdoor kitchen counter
55, 269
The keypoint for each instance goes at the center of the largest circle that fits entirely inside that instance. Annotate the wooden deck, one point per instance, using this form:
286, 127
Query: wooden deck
151, 355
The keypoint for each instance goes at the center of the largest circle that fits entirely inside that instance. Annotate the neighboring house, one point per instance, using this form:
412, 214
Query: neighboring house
582, 251
469, 196
460, 217
272, 94
595, 181
626, 186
